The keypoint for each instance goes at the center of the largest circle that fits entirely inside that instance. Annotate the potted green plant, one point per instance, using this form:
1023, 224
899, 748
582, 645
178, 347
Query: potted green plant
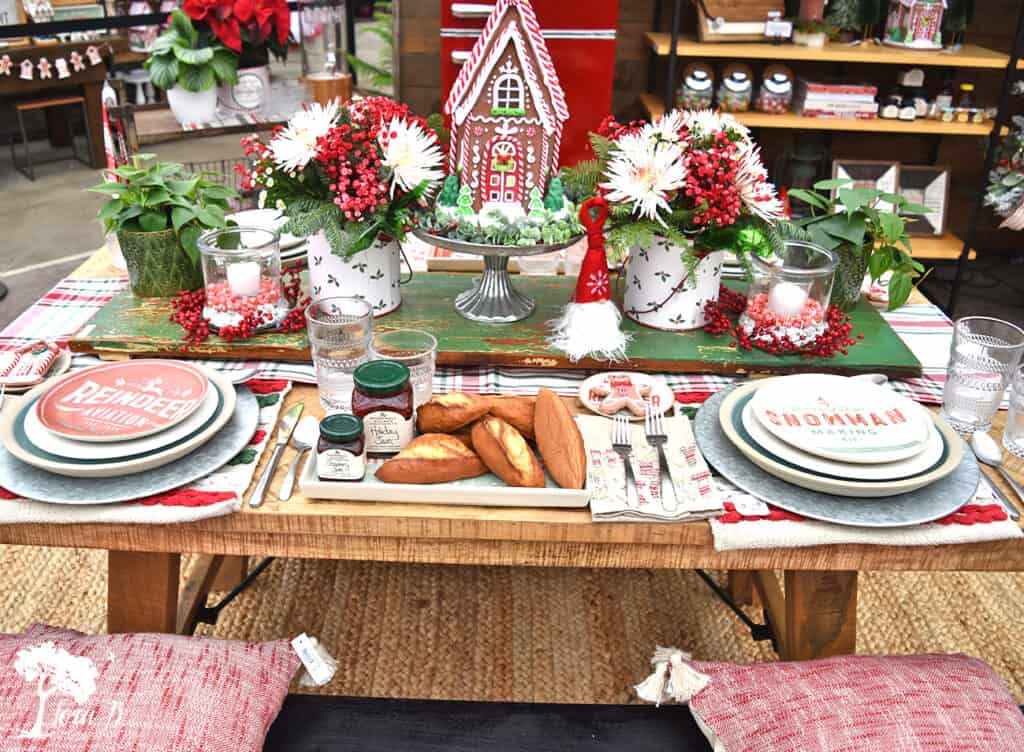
158, 212
189, 63
867, 230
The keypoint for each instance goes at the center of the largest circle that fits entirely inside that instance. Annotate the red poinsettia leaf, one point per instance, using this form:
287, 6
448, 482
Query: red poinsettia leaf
244, 10
283, 21
227, 32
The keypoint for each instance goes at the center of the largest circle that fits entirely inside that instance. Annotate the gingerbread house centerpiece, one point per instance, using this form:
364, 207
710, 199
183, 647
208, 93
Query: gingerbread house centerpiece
507, 111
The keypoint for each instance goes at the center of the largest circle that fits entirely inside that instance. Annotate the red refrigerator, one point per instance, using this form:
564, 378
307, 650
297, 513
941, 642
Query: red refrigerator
581, 40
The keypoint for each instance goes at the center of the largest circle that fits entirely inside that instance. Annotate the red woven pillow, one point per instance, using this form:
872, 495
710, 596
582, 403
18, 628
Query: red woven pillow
65, 692
925, 703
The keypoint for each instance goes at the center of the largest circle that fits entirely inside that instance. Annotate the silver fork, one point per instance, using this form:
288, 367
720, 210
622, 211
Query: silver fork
654, 429
622, 443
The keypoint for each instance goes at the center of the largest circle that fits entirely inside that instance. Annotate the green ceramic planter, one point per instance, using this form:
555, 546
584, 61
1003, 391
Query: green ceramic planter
157, 265
850, 270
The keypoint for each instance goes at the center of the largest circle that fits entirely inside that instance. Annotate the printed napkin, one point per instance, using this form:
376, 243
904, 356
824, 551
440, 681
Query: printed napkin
216, 495
750, 523
685, 491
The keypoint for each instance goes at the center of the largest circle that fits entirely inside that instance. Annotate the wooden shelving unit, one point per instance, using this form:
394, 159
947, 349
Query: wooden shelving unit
968, 56
655, 108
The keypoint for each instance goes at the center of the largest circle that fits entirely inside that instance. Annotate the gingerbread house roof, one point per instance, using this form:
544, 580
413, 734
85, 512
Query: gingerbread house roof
526, 36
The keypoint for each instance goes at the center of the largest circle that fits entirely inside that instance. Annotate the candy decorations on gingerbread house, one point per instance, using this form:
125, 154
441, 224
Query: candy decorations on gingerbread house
507, 111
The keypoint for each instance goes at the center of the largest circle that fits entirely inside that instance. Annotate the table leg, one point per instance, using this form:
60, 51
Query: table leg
94, 121
821, 614
740, 585
232, 570
142, 591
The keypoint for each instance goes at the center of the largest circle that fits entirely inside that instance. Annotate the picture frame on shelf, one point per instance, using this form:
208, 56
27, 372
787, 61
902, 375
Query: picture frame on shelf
927, 185
885, 176
12, 12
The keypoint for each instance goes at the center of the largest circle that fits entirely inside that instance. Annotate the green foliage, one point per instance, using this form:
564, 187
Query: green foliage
162, 195
381, 77
554, 199
182, 56
959, 14
846, 15
436, 121
580, 181
853, 221
449, 194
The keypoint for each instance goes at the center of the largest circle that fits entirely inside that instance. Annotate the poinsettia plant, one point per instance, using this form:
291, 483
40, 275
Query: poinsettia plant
355, 172
692, 177
252, 28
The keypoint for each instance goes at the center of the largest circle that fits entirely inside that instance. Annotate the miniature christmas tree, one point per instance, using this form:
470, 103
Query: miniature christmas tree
536, 205
465, 201
449, 194
554, 200
846, 14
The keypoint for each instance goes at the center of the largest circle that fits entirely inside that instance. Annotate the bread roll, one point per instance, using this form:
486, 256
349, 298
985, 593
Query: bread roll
447, 413
559, 441
506, 453
516, 411
432, 458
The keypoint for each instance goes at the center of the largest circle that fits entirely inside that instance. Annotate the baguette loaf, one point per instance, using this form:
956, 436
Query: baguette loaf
559, 441
447, 413
432, 458
516, 411
506, 453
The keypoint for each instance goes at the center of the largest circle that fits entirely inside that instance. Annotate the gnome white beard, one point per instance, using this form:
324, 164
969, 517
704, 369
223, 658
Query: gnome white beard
590, 329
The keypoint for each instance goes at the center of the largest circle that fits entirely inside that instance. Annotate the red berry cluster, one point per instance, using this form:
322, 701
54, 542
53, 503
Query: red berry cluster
711, 182
351, 158
188, 313
611, 128
834, 339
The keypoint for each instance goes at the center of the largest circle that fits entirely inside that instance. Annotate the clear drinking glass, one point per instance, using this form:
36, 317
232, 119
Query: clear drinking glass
339, 331
416, 350
984, 355
1013, 436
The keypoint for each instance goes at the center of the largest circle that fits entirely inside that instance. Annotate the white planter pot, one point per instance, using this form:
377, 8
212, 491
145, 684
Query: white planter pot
810, 38
249, 94
192, 108
373, 275
659, 291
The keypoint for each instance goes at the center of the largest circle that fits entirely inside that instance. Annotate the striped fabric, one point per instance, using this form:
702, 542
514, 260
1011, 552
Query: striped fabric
73, 302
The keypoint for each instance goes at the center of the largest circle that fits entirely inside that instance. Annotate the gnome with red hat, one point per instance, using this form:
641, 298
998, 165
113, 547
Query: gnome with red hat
590, 324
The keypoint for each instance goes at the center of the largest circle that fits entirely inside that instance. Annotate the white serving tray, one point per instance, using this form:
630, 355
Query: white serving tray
486, 491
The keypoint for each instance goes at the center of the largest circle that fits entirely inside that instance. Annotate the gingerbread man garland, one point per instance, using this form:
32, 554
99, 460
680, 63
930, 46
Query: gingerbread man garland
45, 68
5, 65
619, 392
77, 63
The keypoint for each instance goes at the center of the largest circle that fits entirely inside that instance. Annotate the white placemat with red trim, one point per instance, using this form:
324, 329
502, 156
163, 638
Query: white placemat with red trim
750, 523
216, 495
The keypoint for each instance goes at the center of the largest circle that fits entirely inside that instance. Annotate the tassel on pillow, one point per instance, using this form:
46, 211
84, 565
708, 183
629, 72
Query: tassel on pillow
673, 678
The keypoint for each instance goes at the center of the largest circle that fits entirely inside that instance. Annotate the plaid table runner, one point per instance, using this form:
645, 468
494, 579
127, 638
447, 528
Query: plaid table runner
73, 302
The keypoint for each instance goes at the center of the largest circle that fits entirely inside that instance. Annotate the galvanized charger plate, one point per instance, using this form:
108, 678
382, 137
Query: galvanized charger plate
917, 507
32, 483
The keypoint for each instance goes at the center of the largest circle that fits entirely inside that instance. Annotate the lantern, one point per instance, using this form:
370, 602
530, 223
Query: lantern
324, 62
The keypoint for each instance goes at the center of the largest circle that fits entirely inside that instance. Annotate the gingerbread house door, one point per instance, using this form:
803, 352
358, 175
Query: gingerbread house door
503, 183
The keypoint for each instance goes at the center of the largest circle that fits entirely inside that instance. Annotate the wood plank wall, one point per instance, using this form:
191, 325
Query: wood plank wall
420, 76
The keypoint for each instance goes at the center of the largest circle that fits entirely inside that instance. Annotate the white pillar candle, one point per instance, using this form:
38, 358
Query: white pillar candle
244, 278
787, 299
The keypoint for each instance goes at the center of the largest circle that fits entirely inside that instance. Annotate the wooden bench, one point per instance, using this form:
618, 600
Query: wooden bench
314, 723
27, 168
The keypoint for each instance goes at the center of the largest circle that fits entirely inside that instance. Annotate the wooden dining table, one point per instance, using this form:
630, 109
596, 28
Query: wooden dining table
809, 594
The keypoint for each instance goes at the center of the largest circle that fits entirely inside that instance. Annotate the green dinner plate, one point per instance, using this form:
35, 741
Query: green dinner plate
26, 443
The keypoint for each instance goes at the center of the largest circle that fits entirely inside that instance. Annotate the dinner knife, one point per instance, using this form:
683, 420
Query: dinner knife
284, 434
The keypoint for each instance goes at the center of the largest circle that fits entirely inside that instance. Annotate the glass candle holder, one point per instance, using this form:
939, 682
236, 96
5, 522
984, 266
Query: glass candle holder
323, 46
789, 296
242, 276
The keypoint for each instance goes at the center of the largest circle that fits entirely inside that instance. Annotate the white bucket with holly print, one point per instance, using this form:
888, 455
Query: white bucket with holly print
661, 292
374, 275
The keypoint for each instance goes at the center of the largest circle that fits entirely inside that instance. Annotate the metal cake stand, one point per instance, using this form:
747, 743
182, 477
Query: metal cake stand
492, 299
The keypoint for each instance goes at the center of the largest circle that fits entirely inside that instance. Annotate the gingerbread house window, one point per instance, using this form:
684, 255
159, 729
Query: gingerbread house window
508, 96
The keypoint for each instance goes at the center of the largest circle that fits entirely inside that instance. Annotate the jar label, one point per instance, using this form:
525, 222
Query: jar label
338, 464
386, 431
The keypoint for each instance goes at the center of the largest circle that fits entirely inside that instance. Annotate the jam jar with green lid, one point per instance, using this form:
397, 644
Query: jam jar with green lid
341, 450
383, 398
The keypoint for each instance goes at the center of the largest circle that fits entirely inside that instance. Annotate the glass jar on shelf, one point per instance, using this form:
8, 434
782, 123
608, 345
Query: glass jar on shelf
697, 91
736, 88
776, 94
789, 296
242, 278
322, 40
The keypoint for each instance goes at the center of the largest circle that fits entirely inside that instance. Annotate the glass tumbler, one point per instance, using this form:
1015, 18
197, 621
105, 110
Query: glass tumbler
984, 355
339, 331
242, 277
414, 349
1013, 436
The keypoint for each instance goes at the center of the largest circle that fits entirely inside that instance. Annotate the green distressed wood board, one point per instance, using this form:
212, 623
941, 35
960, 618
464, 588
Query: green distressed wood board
130, 326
